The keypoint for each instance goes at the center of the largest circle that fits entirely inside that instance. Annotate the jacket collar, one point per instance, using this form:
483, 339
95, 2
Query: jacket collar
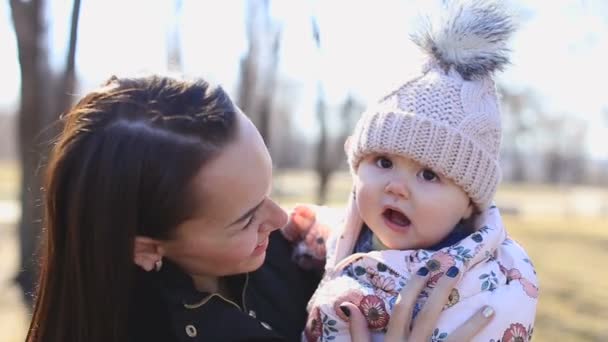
178, 288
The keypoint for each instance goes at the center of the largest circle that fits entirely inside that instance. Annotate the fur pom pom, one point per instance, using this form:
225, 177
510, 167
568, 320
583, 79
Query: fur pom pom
471, 36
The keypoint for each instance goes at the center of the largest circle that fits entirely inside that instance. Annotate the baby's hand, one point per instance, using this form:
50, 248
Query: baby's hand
309, 236
301, 220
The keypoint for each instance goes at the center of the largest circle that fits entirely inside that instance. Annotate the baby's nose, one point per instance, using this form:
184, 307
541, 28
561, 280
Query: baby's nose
397, 188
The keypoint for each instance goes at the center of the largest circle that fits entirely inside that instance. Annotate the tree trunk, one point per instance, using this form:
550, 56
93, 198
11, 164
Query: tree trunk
39, 108
266, 102
65, 98
27, 19
322, 166
250, 64
259, 67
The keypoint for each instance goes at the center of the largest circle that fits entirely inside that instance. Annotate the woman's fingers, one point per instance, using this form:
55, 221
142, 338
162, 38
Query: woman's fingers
472, 326
399, 326
359, 331
426, 320
398, 329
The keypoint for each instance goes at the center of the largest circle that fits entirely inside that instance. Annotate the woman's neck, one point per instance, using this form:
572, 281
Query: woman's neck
207, 284
212, 285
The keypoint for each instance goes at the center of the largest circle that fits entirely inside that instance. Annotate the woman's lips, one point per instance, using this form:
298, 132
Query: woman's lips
396, 220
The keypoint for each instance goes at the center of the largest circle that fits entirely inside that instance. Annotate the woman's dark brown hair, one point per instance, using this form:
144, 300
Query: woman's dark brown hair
121, 167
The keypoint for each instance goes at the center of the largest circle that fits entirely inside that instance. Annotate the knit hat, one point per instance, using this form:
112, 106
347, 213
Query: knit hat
447, 117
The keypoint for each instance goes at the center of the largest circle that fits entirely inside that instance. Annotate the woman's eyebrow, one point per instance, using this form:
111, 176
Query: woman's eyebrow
248, 213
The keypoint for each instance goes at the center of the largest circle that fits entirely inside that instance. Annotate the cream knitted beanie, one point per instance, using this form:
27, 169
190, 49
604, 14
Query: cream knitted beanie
448, 116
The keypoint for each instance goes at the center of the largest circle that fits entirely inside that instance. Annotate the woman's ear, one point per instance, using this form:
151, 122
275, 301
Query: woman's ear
147, 252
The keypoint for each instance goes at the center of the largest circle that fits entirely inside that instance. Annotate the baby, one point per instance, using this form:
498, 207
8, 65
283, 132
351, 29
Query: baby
425, 163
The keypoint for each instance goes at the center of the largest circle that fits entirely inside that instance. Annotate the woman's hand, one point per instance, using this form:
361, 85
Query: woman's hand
424, 324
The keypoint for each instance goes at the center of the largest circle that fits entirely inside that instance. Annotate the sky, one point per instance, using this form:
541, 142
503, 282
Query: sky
558, 53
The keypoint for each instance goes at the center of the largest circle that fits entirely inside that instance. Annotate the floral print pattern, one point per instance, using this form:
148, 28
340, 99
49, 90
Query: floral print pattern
438, 264
488, 266
514, 274
374, 310
453, 298
438, 336
351, 296
329, 328
384, 286
489, 281
516, 332
314, 327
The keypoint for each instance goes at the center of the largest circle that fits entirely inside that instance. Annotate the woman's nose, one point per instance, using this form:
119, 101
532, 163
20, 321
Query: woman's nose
397, 188
277, 217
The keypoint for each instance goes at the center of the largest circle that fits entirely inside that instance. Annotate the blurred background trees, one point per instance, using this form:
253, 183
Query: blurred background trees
538, 146
44, 94
285, 78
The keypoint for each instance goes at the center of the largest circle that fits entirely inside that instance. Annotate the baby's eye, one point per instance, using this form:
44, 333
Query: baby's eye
383, 162
429, 175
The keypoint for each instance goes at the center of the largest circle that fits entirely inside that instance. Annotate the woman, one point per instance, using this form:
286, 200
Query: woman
158, 224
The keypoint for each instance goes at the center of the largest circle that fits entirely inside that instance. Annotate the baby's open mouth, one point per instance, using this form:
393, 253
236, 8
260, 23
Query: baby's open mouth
396, 217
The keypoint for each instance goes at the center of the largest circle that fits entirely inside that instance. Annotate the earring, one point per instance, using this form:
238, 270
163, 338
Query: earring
158, 265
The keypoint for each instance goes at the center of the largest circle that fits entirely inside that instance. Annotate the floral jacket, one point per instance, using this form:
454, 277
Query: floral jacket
496, 272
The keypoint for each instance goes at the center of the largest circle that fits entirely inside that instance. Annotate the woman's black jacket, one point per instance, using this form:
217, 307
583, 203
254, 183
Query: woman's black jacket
266, 305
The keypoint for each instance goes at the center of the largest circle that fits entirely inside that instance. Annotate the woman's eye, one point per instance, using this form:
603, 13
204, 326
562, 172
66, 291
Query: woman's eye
251, 219
429, 175
384, 163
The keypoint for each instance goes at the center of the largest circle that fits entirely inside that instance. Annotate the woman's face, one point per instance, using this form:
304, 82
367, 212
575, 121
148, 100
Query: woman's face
234, 217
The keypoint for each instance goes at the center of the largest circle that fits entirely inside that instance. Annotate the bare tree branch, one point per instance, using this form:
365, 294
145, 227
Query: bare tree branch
69, 77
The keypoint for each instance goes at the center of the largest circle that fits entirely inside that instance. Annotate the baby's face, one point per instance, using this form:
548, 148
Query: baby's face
407, 205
